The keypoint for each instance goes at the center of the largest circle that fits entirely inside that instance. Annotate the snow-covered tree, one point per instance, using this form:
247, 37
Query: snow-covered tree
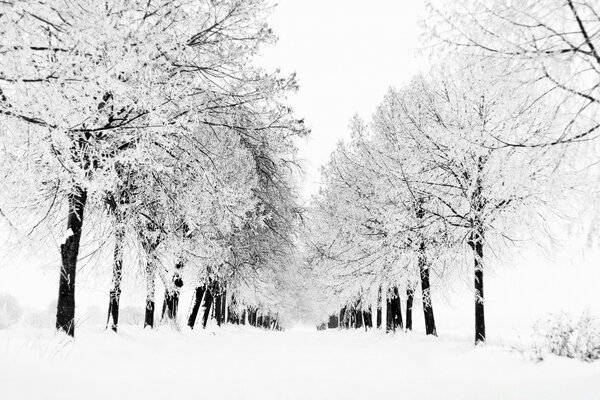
552, 47
146, 107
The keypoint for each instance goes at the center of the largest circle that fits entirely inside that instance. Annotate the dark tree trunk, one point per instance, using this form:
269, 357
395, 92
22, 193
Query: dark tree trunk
378, 317
477, 245
115, 291
149, 318
218, 307
243, 318
476, 241
232, 317
171, 301
69, 250
426, 293
389, 325
410, 294
198, 296
395, 307
367, 319
343, 322
333, 322
358, 318
223, 306
208, 300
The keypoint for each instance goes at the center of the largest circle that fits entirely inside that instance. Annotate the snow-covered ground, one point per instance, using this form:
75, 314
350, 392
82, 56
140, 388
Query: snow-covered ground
247, 363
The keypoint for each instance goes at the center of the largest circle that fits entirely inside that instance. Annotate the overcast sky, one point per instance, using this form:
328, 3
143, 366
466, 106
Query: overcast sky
346, 54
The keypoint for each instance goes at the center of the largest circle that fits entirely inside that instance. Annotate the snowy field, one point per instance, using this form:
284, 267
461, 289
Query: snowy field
247, 363
302, 363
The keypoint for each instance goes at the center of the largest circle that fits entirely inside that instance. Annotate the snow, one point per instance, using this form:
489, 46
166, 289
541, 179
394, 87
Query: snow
247, 363
68, 234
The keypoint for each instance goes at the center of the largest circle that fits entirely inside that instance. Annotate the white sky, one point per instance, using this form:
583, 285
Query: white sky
346, 54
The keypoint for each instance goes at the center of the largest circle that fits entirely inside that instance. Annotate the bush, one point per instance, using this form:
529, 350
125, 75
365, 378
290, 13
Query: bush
41, 319
10, 311
562, 336
131, 315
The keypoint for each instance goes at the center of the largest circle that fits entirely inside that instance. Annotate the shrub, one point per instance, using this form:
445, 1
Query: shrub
10, 311
565, 337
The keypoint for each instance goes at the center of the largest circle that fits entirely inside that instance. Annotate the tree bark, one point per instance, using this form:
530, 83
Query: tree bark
115, 291
198, 297
343, 323
389, 320
333, 321
69, 251
477, 246
208, 300
224, 306
410, 294
150, 288
384, 310
171, 301
368, 320
426, 292
378, 316
396, 307
218, 307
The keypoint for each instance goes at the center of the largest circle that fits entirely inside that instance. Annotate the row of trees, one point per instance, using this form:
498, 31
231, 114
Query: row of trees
461, 161
144, 126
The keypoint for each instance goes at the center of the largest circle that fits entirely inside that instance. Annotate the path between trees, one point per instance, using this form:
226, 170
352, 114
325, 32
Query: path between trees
246, 363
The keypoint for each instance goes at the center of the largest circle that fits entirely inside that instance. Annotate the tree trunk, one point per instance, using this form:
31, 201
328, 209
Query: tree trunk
426, 293
333, 321
389, 320
171, 301
378, 319
368, 320
69, 250
396, 307
149, 318
410, 294
384, 312
224, 307
208, 300
218, 307
477, 246
115, 291
198, 296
